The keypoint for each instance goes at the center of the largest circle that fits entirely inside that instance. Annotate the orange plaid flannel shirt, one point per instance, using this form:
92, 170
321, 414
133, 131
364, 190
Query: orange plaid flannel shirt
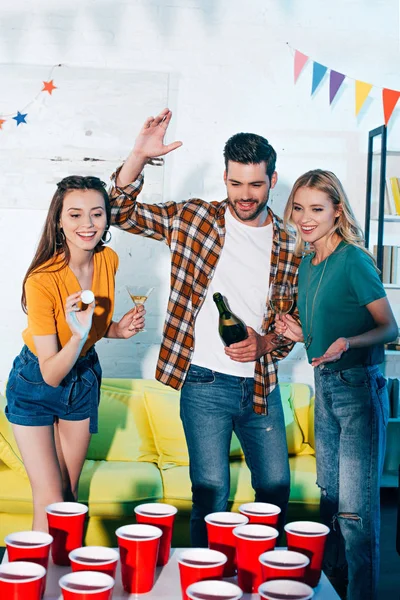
194, 231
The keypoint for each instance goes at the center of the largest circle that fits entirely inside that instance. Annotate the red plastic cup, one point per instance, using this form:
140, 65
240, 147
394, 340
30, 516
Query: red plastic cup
66, 521
138, 550
261, 512
283, 564
20, 580
86, 585
162, 516
31, 546
214, 590
308, 537
198, 564
94, 558
285, 588
220, 526
251, 541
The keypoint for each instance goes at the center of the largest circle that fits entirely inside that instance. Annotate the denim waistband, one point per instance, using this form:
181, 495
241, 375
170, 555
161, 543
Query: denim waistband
90, 356
369, 368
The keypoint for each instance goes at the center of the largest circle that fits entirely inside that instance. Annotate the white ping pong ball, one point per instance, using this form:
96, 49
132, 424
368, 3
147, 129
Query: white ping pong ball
87, 296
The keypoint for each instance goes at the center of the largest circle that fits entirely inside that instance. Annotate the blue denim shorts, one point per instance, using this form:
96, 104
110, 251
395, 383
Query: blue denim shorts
31, 401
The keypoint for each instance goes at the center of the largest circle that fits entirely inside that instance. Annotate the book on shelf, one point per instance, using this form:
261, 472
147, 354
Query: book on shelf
393, 188
390, 263
390, 205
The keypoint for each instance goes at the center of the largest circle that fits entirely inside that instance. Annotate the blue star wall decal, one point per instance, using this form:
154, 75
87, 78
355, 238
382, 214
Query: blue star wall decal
20, 118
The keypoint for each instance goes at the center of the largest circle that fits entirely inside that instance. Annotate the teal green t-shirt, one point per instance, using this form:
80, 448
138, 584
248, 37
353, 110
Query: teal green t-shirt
350, 282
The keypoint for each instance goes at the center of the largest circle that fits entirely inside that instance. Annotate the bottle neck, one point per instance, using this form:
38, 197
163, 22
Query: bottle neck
222, 309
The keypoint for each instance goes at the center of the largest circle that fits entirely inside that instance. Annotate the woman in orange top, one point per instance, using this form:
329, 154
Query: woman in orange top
53, 389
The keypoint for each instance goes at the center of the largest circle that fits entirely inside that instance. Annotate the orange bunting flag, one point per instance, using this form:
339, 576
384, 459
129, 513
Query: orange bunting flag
299, 63
1, 123
362, 91
389, 98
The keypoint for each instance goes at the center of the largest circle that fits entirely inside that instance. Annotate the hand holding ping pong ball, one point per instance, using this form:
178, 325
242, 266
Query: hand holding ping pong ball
87, 296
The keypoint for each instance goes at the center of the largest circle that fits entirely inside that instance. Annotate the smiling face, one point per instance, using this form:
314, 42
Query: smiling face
83, 219
248, 187
314, 215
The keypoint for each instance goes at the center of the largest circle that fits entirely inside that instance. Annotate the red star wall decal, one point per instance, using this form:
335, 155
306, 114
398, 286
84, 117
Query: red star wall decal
49, 86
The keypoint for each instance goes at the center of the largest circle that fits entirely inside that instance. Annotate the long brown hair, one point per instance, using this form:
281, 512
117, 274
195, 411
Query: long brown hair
346, 225
52, 247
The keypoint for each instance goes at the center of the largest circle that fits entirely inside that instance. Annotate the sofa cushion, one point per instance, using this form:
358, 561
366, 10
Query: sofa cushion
311, 434
162, 405
294, 434
124, 428
9, 452
113, 489
303, 488
15, 492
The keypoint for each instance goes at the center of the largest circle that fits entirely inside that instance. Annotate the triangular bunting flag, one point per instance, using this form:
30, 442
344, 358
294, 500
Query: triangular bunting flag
335, 81
362, 91
318, 75
299, 63
389, 98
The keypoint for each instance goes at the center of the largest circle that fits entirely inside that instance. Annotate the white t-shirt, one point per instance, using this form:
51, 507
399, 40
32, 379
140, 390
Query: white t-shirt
242, 276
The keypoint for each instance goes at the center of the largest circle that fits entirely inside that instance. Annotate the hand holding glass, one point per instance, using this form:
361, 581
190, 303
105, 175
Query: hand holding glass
139, 294
281, 301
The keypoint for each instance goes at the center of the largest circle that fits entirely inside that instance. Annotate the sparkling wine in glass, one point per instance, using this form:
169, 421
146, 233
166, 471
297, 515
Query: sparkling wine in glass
281, 301
139, 294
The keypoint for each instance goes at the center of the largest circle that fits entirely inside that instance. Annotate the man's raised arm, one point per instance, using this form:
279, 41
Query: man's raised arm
149, 144
150, 220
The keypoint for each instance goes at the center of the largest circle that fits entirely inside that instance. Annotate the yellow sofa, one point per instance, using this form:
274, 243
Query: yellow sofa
140, 455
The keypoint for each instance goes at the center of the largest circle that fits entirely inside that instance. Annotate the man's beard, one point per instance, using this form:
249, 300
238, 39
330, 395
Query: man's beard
252, 215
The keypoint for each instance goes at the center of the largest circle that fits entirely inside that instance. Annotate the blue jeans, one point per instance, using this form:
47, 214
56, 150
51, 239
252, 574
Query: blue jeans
213, 405
351, 414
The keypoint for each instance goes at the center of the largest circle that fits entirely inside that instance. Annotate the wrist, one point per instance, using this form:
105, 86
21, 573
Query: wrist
271, 342
139, 157
346, 342
78, 339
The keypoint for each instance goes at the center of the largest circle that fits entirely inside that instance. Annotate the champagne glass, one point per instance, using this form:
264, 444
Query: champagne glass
281, 300
139, 294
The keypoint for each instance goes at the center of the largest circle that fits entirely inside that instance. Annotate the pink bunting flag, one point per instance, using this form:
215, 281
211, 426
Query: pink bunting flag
299, 63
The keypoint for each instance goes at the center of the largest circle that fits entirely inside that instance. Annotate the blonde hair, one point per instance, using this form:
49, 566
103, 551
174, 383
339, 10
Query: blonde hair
346, 225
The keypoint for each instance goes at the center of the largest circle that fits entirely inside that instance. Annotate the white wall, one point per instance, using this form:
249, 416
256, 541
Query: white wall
223, 66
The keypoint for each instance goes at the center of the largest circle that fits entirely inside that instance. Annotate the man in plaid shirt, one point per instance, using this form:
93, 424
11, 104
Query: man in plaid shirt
236, 247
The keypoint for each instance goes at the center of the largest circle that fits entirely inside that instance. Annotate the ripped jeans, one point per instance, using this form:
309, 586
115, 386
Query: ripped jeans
351, 414
212, 406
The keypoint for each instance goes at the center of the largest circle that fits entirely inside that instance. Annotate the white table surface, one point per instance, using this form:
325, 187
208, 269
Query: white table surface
167, 585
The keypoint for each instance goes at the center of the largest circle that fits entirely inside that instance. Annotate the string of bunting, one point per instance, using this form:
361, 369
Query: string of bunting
336, 79
21, 116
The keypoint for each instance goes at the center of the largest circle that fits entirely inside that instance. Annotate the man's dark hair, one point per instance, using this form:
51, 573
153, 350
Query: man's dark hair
250, 148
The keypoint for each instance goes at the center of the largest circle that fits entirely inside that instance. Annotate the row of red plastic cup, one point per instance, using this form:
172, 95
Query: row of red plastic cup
270, 590
99, 586
243, 542
141, 547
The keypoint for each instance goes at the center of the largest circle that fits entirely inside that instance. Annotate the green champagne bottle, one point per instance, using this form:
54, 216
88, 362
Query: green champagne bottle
230, 327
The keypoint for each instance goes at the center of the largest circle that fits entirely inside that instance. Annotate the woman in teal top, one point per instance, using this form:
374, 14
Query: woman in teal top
345, 320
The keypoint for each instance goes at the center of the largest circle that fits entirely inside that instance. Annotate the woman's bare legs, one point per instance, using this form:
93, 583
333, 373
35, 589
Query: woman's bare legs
38, 451
53, 459
72, 439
